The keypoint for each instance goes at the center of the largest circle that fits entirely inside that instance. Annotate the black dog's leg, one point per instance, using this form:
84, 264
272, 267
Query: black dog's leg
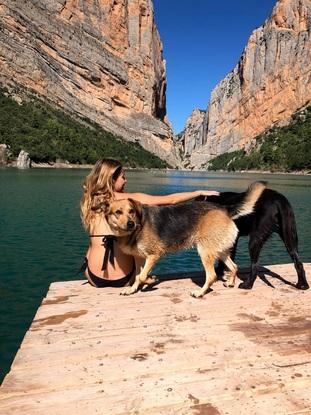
302, 283
288, 234
220, 269
254, 246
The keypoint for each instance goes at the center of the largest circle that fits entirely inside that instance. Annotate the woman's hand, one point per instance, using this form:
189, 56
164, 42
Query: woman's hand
207, 193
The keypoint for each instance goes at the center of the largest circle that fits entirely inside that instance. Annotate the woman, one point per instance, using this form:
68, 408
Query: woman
105, 264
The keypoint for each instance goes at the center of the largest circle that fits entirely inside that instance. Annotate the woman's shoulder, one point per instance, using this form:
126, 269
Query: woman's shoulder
99, 225
121, 195
125, 195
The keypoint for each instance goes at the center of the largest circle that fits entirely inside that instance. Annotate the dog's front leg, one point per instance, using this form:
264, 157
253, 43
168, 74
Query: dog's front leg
139, 265
142, 269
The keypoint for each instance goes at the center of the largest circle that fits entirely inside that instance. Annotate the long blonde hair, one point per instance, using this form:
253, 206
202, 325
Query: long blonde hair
98, 188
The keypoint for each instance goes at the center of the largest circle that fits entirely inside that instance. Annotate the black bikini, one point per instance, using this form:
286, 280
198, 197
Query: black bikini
100, 282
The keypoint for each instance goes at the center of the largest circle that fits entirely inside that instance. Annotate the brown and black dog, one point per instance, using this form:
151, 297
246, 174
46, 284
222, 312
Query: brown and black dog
149, 232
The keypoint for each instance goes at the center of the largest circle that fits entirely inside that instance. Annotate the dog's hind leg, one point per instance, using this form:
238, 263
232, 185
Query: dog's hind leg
142, 275
255, 245
232, 270
288, 234
208, 262
220, 269
302, 283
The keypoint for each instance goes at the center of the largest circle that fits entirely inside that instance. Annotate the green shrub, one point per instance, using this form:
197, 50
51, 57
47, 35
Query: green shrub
279, 149
48, 134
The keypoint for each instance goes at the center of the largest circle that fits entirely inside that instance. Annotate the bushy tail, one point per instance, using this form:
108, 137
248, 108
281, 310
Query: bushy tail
246, 206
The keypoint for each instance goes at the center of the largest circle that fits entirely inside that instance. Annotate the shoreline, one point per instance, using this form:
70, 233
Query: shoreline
89, 166
59, 165
64, 165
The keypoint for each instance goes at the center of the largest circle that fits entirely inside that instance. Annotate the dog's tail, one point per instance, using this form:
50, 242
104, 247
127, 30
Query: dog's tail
246, 206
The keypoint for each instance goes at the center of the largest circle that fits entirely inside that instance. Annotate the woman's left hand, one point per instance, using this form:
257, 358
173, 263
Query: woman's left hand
208, 193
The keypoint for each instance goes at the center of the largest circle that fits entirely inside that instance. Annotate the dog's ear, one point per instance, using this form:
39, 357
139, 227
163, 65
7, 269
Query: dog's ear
138, 208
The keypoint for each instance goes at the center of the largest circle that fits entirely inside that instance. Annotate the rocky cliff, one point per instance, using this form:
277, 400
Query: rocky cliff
192, 135
97, 59
270, 82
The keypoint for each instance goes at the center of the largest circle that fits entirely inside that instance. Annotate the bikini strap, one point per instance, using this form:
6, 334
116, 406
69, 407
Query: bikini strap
109, 253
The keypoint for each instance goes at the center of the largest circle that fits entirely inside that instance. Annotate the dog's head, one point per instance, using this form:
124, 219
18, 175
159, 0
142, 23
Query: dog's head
124, 216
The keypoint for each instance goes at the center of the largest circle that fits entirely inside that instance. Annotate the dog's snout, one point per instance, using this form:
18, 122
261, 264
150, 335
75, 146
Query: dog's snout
130, 224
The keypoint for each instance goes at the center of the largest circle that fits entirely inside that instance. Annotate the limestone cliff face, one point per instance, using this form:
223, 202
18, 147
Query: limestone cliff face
271, 81
193, 133
100, 59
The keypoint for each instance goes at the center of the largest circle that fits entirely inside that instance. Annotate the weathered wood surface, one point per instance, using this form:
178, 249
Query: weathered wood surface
91, 351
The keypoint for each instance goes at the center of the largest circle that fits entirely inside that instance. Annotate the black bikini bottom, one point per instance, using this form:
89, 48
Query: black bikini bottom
104, 282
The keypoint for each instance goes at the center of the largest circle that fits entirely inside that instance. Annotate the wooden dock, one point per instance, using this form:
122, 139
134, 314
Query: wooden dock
90, 351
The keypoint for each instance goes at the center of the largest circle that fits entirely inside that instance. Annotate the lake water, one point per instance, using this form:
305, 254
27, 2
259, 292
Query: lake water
42, 240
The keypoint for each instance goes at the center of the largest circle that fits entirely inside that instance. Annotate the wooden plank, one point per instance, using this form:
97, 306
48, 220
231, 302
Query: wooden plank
161, 351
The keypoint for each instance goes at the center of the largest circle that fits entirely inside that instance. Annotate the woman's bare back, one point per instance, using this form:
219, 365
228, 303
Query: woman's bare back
123, 264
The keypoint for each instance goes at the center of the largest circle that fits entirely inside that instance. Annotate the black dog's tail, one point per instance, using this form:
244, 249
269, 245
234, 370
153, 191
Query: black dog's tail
246, 206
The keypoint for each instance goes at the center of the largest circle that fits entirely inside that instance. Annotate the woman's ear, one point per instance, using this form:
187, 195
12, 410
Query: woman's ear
138, 208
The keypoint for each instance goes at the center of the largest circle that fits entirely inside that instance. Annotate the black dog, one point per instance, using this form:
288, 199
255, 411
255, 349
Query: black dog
272, 213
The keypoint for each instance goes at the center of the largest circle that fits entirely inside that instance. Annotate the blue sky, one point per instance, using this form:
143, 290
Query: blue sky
202, 42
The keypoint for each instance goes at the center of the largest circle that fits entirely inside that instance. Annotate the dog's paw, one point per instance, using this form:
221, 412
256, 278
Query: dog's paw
245, 286
197, 293
128, 291
226, 276
150, 280
302, 286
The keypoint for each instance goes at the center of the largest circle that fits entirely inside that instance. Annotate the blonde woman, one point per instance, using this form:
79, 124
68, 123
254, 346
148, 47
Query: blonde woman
105, 264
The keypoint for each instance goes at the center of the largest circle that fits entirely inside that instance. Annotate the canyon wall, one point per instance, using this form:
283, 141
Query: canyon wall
271, 81
98, 59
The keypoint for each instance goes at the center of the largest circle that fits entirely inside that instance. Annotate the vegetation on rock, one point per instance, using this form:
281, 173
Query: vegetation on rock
50, 135
283, 149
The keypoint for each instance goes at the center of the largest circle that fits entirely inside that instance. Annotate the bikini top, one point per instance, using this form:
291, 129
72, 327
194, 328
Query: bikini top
108, 244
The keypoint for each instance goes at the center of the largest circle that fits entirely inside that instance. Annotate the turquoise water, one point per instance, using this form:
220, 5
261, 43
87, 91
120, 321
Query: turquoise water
42, 240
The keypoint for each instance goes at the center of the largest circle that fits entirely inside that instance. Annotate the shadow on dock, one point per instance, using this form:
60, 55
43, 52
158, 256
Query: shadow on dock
198, 277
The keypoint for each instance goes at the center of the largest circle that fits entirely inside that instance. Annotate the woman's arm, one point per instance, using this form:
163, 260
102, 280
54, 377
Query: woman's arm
170, 199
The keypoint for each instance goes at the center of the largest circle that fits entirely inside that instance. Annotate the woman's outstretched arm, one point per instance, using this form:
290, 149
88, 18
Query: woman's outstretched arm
170, 199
